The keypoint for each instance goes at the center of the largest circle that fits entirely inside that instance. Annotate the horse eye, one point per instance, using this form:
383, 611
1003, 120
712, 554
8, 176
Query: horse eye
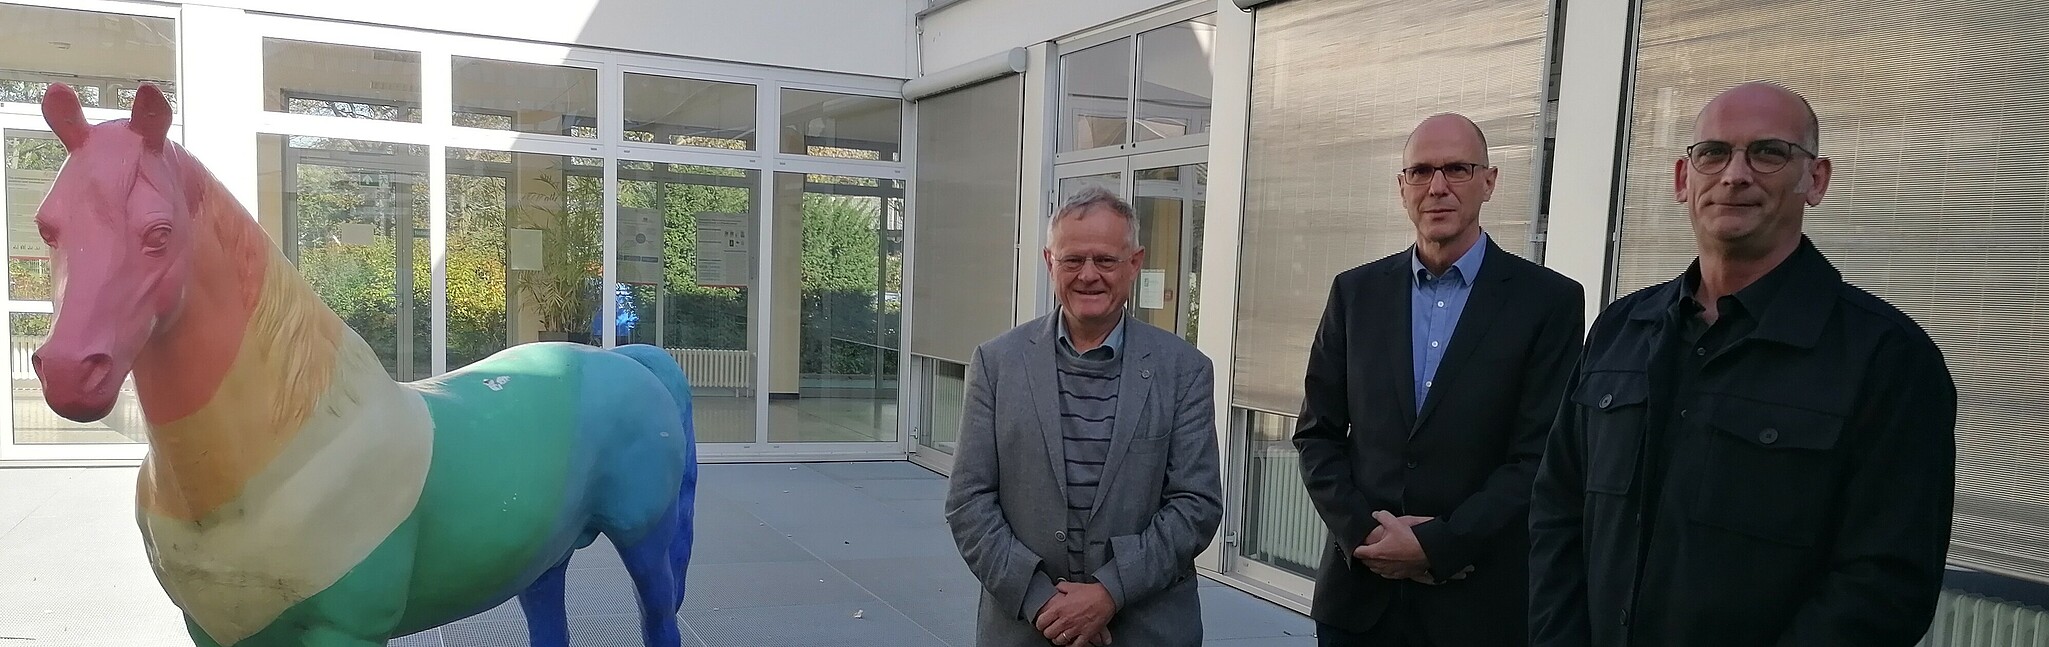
157, 237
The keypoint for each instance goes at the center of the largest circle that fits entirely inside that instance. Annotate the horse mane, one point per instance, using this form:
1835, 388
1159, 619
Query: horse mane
275, 360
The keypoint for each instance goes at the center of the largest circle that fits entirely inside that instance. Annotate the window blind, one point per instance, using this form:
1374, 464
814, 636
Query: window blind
965, 228
1336, 87
1935, 116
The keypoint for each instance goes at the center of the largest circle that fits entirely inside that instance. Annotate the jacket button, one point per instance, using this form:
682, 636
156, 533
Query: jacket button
1768, 436
1606, 399
1412, 464
1059, 535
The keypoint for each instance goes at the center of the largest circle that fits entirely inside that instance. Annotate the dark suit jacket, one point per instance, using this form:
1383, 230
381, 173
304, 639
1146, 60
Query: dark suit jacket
1467, 459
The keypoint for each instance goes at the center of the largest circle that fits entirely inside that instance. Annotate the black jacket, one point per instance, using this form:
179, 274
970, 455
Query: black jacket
1466, 459
1784, 480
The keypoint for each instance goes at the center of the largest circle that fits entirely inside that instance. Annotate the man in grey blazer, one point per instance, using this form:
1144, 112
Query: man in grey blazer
1086, 476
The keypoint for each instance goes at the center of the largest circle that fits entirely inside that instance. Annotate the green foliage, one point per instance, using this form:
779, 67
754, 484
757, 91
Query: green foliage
843, 307
842, 313
572, 253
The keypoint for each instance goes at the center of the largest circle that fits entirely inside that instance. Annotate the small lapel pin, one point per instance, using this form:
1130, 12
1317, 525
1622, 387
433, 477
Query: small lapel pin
1145, 373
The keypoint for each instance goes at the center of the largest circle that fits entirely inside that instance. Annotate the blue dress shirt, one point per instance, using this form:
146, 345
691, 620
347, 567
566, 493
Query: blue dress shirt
1435, 305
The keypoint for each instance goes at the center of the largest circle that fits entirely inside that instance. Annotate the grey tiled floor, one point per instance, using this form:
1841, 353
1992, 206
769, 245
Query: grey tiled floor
787, 555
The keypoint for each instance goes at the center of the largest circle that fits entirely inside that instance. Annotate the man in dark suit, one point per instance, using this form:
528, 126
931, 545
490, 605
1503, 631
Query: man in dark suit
1431, 386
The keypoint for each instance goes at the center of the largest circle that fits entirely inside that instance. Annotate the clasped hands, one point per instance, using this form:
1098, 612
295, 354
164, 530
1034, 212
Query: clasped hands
1078, 615
1392, 551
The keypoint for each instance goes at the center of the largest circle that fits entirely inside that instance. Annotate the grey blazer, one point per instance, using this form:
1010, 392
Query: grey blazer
1159, 504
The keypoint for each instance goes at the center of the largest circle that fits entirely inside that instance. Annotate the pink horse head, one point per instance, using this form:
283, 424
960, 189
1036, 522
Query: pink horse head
119, 224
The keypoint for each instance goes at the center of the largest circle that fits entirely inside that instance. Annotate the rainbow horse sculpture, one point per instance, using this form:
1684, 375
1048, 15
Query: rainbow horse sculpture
293, 493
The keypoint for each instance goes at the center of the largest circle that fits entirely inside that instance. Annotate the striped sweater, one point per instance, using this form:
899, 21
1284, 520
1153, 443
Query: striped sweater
1088, 414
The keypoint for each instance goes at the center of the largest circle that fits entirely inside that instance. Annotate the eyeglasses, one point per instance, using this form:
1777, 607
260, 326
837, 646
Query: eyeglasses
1764, 155
1454, 172
1103, 263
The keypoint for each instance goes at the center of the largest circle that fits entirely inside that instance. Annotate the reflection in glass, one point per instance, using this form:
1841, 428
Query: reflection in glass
945, 397
1095, 96
829, 124
103, 56
689, 112
35, 423
1071, 186
33, 158
687, 237
1170, 205
352, 216
1174, 79
1282, 528
525, 97
328, 80
838, 303
525, 251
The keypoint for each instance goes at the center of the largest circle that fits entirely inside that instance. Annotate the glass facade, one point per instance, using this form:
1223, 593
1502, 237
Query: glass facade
449, 197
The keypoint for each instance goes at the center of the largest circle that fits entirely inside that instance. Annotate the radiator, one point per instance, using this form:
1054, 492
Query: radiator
18, 357
1965, 620
712, 367
1285, 530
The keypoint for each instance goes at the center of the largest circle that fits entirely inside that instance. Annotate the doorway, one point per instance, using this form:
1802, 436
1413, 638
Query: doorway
1169, 191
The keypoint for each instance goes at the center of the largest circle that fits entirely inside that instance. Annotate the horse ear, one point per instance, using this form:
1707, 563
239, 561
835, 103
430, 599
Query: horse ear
151, 116
65, 116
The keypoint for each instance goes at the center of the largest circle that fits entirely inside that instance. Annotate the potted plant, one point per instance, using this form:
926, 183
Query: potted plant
563, 292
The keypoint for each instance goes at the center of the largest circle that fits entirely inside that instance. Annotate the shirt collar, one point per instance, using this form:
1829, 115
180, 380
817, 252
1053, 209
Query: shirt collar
1114, 342
1468, 264
1792, 302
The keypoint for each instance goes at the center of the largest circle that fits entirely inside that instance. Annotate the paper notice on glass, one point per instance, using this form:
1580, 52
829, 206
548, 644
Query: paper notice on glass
1152, 289
358, 233
523, 247
640, 246
725, 256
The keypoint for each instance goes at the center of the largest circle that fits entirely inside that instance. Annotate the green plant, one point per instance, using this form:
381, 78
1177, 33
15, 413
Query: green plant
560, 293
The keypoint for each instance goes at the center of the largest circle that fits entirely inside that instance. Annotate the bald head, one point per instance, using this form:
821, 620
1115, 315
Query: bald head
1764, 100
1452, 128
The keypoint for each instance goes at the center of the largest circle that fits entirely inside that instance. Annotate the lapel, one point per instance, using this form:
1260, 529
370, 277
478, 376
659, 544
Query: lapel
1134, 388
1490, 291
1397, 288
1045, 391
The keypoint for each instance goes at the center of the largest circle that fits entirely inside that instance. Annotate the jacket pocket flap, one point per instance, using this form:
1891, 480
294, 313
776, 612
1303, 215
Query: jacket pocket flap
1776, 426
1604, 390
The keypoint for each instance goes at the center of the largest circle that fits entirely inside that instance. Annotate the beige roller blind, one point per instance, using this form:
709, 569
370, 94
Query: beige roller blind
1935, 115
1336, 87
965, 227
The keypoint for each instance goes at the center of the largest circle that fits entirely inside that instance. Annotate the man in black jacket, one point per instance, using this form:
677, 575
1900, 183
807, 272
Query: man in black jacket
1756, 452
1431, 384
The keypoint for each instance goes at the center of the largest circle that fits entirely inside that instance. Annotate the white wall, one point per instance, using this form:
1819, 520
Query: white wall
971, 29
871, 37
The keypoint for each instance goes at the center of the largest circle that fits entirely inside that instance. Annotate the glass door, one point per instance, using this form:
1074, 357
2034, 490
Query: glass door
1170, 201
1169, 191
355, 225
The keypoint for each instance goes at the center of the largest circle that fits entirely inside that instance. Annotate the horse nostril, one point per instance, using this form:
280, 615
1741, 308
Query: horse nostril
96, 367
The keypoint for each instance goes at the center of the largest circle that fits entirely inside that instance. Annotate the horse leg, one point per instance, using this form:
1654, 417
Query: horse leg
653, 568
679, 548
547, 622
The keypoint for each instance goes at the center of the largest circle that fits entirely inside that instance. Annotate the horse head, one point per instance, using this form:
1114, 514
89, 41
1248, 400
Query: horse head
119, 223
